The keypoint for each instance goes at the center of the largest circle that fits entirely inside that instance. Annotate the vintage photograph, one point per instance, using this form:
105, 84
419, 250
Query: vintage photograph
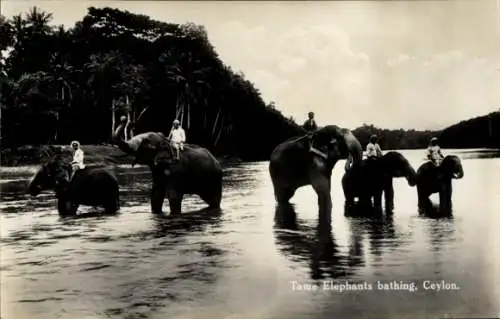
249, 159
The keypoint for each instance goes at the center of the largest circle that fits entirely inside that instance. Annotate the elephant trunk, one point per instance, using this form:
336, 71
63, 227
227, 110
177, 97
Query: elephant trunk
411, 176
34, 188
354, 149
125, 146
460, 173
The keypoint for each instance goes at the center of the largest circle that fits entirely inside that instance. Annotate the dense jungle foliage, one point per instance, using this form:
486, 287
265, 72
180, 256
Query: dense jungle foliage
60, 84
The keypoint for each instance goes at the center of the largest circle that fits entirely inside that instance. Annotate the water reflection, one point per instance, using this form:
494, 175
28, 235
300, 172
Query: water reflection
432, 210
316, 246
137, 265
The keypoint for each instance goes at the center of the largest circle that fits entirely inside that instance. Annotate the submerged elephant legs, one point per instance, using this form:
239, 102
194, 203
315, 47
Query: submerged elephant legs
174, 193
445, 202
321, 186
158, 192
283, 194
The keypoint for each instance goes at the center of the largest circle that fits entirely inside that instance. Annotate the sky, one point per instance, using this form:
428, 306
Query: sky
396, 64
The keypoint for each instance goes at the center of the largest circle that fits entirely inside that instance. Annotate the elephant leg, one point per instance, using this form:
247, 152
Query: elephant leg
283, 194
158, 196
212, 198
422, 198
321, 186
66, 207
348, 190
445, 198
389, 196
377, 200
174, 201
112, 206
215, 197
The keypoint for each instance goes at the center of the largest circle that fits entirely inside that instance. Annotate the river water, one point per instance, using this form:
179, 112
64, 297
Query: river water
244, 261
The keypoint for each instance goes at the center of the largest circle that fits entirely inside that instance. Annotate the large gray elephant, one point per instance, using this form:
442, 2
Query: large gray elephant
91, 186
309, 160
432, 179
196, 172
375, 177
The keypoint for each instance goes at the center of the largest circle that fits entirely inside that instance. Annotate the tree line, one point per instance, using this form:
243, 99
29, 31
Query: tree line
60, 84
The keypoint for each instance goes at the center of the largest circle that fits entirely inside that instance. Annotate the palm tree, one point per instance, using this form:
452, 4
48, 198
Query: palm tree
189, 80
104, 76
61, 84
38, 21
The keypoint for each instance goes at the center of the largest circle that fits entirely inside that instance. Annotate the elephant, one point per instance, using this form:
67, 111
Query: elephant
432, 179
373, 177
196, 172
309, 160
90, 186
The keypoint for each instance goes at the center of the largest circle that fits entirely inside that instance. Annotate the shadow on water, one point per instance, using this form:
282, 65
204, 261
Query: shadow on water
431, 210
316, 246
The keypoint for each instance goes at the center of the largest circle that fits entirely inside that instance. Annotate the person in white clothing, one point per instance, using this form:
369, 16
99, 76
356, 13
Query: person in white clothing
434, 152
77, 162
177, 137
373, 150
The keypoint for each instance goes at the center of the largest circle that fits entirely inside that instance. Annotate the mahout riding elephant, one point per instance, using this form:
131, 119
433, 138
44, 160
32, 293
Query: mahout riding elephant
433, 179
91, 186
196, 172
309, 160
374, 177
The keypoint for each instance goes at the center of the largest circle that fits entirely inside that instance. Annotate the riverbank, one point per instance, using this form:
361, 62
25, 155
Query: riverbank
33, 155
94, 154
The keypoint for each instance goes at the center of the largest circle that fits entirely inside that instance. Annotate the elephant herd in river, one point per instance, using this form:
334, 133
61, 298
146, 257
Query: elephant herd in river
304, 160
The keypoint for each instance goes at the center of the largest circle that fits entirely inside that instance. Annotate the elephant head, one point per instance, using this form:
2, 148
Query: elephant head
398, 166
452, 167
150, 148
333, 143
54, 174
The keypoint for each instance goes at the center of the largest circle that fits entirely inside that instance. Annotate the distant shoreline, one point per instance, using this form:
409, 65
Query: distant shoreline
30, 155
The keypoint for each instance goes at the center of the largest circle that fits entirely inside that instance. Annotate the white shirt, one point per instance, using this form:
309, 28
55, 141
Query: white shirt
434, 152
373, 150
178, 135
78, 158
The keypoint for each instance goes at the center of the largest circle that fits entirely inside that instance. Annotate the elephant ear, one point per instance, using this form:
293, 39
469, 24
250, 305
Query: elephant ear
154, 152
342, 140
331, 136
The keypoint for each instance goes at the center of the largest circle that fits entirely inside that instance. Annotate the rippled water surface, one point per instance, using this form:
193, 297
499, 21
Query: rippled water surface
245, 261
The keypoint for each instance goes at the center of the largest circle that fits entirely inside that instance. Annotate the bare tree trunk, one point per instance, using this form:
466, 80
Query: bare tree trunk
57, 127
182, 114
220, 132
215, 122
113, 120
205, 120
188, 102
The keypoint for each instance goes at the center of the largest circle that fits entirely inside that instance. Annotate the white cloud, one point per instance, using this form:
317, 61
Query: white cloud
315, 67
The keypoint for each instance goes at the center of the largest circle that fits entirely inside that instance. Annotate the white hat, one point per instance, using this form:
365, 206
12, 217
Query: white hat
75, 142
176, 122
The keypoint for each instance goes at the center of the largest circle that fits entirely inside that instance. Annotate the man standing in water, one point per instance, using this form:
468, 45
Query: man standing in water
177, 137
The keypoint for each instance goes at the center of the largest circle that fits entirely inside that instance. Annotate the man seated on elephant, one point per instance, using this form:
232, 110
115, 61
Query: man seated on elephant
77, 162
177, 137
310, 124
434, 152
373, 150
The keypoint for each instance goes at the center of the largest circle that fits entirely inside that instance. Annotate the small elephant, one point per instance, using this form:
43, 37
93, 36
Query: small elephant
374, 177
196, 172
309, 160
433, 179
91, 186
